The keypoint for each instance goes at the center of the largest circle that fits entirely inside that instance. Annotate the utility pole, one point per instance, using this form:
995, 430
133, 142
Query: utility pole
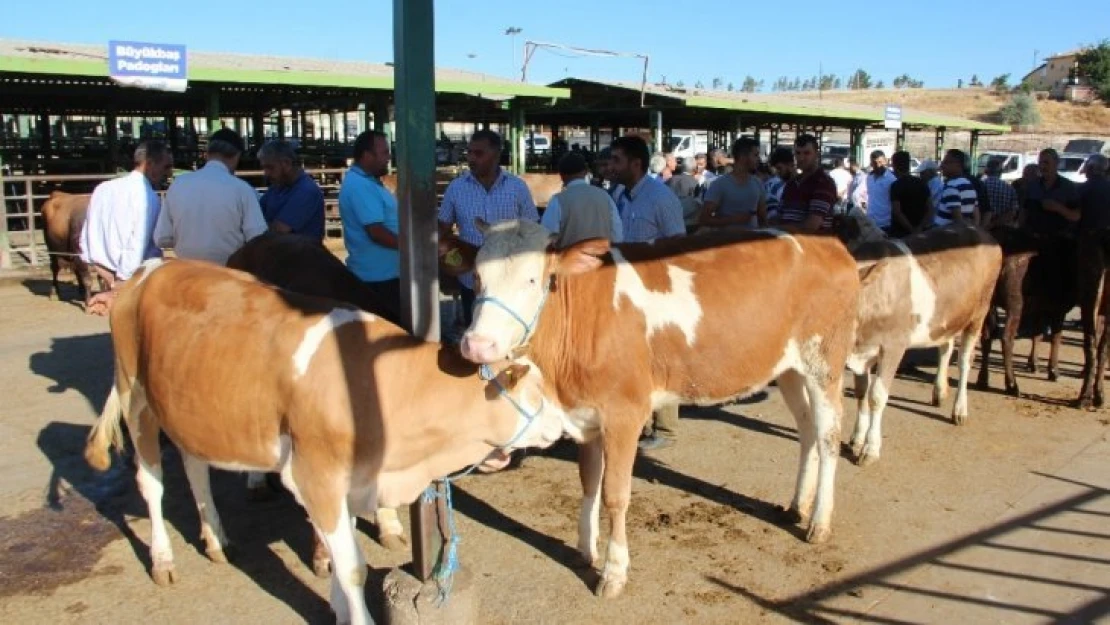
512, 32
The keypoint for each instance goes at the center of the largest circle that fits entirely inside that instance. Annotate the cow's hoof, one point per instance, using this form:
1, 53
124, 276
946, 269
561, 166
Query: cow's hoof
54, 297
321, 566
164, 574
610, 587
1012, 391
867, 457
394, 542
959, 419
221, 556
1083, 403
938, 398
982, 384
856, 448
1098, 401
1052, 376
794, 516
1031, 367
818, 534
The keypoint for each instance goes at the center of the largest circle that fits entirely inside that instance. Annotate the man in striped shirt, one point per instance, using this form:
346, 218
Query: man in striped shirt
958, 200
485, 191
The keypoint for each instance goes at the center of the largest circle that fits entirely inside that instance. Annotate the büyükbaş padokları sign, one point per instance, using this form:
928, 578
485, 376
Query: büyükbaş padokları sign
159, 66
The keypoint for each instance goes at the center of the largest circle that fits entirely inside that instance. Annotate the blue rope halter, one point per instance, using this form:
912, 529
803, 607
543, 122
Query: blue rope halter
528, 327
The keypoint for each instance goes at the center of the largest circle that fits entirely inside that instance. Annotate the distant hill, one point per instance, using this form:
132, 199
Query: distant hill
978, 104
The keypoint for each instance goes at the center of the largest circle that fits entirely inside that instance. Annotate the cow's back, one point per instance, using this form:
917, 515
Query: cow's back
63, 216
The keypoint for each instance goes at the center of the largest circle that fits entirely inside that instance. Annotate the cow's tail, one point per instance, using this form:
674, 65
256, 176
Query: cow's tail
106, 433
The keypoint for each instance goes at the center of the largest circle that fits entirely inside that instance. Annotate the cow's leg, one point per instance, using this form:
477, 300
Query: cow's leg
391, 534
148, 459
591, 465
863, 412
56, 288
619, 451
327, 506
876, 399
1054, 352
986, 339
258, 489
940, 382
1031, 364
826, 409
1091, 322
321, 560
1103, 355
967, 355
216, 545
792, 388
1009, 337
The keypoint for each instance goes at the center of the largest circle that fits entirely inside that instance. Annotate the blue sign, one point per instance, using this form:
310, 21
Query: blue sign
159, 66
893, 117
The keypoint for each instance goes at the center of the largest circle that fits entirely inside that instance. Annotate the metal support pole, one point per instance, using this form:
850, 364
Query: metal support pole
657, 129
281, 124
900, 140
381, 116
258, 129
939, 145
32, 239
414, 79
774, 137
856, 144
595, 138
212, 111
111, 123
974, 153
5, 243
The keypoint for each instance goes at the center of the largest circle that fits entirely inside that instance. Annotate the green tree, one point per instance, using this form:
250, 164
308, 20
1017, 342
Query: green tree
859, 80
1094, 65
880, 85
717, 82
975, 82
698, 85
750, 84
731, 87
1001, 83
680, 84
1021, 110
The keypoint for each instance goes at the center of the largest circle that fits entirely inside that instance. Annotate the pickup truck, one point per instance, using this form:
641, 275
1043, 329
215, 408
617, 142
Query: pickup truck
1010, 163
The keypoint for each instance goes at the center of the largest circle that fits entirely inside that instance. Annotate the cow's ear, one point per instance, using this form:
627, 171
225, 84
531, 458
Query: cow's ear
482, 225
512, 376
582, 257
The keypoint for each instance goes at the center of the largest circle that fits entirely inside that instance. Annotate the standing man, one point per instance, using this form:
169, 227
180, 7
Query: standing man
485, 191
808, 198
294, 202
683, 183
1049, 199
649, 211
911, 209
929, 170
702, 173
783, 167
209, 214
118, 234
878, 191
1003, 197
857, 190
371, 222
580, 211
739, 198
843, 179
958, 202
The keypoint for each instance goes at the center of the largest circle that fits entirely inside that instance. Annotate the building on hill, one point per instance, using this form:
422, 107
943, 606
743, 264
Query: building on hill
1059, 76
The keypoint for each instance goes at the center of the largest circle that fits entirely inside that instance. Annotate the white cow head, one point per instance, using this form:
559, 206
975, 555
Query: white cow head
513, 271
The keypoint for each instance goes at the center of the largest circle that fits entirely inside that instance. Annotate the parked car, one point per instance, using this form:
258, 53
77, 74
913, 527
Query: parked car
1072, 166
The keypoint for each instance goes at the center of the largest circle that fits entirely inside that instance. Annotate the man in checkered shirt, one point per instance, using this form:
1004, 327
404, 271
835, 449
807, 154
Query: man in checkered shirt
485, 192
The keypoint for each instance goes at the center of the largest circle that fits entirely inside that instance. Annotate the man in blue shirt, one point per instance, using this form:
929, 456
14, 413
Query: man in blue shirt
370, 222
294, 202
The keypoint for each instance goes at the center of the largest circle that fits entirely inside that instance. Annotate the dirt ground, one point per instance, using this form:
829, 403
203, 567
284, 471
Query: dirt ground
1002, 520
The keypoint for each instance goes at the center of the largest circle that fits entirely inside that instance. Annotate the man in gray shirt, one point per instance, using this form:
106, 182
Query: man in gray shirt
740, 198
580, 211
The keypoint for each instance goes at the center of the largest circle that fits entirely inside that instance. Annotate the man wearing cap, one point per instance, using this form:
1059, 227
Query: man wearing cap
580, 211
209, 214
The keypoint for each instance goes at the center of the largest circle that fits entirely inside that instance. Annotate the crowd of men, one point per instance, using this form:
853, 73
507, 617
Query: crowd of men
630, 195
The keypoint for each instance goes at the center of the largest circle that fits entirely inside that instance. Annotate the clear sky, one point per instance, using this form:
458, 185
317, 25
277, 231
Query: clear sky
688, 41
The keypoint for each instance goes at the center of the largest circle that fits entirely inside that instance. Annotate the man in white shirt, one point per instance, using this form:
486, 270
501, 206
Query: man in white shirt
118, 234
857, 190
209, 214
878, 191
843, 179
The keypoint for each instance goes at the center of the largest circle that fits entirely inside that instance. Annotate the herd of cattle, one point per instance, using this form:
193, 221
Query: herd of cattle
355, 415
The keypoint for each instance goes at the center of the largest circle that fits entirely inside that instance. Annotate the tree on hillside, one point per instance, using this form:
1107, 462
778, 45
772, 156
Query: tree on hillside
827, 82
906, 82
859, 80
880, 85
1094, 65
730, 87
1001, 83
782, 84
680, 84
1021, 110
975, 82
759, 85
836, 83
750, 84
717, 82
796, 85
698, 85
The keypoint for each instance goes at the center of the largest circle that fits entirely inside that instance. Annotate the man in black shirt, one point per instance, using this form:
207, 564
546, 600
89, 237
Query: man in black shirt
911, 208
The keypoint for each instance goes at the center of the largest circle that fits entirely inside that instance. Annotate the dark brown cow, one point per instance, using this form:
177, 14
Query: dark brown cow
63, 216
620, 331
241, 375
1033, 291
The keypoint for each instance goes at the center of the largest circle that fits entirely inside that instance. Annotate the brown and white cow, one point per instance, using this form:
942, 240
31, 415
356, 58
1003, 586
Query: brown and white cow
931, 289
63, 216
619, 331
350, 410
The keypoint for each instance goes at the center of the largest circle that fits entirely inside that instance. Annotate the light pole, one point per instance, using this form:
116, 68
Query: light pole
512, 32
